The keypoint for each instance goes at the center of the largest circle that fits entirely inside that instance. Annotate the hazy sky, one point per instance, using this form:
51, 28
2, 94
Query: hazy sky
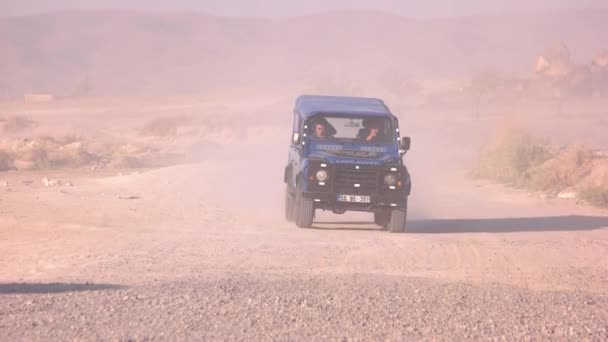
412, 8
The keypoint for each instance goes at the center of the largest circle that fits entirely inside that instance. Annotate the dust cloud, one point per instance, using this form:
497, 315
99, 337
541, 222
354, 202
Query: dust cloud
145, 150
220, 95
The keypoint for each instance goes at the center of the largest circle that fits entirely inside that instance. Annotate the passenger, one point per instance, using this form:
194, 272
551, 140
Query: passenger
372, 131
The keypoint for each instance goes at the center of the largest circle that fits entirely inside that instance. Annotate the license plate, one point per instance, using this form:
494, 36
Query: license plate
354, 199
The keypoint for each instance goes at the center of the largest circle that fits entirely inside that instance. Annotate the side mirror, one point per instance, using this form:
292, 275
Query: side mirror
296, 138
405, 144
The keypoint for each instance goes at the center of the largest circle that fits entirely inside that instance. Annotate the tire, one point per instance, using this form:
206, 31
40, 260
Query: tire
398, 220
382, 218
304, 212
289, 207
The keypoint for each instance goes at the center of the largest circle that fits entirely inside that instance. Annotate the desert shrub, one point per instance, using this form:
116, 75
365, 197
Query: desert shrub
595, 195
72, 155
32, 156
18, 124
564, 170
516, 159
6, 161
160, 127
165, 126
71, 138
510, 156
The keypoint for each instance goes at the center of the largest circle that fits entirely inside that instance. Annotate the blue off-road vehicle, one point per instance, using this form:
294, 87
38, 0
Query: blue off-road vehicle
346, 154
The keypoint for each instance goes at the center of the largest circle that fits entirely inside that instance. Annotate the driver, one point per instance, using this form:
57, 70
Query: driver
320, 130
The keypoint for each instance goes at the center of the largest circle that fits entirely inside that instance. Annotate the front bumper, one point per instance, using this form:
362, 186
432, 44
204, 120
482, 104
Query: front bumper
325, 200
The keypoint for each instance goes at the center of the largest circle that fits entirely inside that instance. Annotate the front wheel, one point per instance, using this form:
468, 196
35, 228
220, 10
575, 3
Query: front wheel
382, 218
398, 220
305, 211
289, 207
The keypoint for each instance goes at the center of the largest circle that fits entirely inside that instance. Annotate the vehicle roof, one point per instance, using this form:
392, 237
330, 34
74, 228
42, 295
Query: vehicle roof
309, 105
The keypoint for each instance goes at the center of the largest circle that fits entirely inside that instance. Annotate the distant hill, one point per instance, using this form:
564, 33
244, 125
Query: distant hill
121, 52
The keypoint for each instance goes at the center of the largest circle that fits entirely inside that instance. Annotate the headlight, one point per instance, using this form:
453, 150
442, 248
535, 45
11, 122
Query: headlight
390, 179
321, 175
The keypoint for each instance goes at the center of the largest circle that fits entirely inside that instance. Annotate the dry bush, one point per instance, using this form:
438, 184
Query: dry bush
594, 188
72, 155
72, 151
30, 155
70, 138
510, 155
595, 195
160, 128
149, 159
516, 159
6, 161
164, 126
17, 124
565, 170
51, 153
126, 162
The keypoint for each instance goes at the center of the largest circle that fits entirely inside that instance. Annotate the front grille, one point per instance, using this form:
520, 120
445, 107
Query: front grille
346, 176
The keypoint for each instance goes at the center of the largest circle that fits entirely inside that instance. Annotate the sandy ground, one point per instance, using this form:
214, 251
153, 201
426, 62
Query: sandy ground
201, 251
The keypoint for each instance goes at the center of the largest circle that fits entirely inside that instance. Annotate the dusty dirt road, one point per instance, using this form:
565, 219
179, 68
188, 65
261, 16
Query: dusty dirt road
201, 251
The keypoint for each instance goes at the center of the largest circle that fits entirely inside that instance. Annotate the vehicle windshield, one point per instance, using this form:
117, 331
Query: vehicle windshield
362, 129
